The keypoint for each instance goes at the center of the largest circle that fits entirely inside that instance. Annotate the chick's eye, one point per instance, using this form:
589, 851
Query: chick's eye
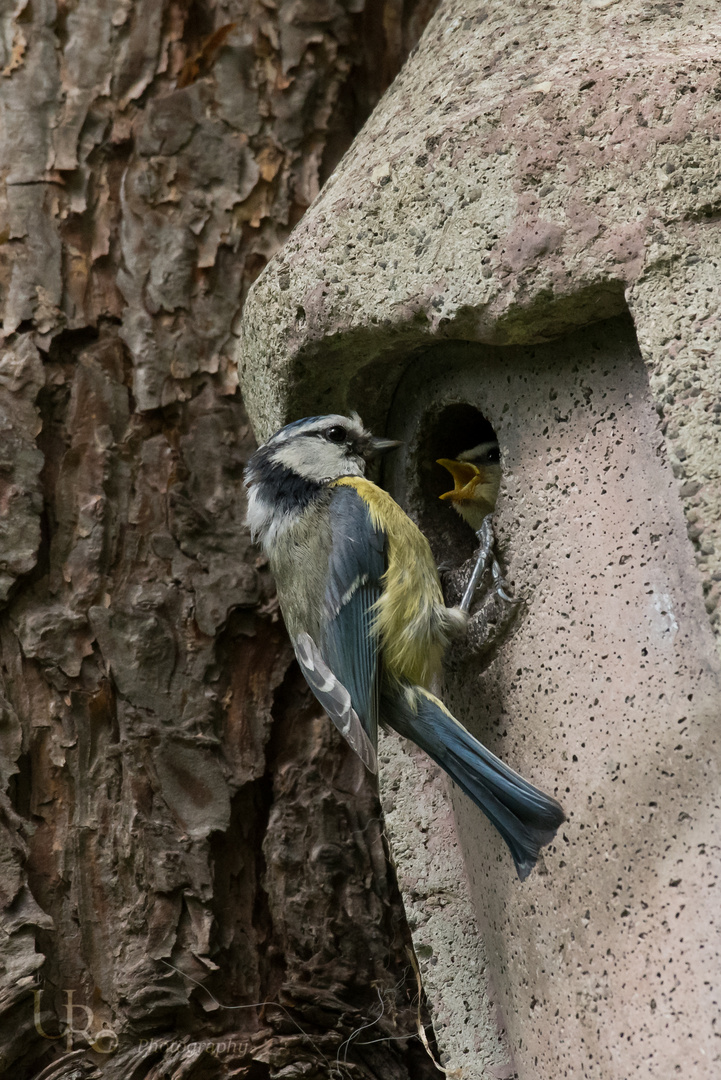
336, 434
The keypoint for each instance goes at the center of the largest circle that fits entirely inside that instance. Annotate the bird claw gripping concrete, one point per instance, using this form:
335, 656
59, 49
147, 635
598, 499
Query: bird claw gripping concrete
486, 560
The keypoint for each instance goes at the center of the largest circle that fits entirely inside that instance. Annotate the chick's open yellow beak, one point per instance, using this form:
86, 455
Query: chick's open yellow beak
466, 478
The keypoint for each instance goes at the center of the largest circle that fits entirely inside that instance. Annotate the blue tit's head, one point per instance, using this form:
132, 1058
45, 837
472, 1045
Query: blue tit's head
297, 462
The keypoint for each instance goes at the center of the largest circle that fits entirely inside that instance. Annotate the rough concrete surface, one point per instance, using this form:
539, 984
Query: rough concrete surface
450, 951
605, 692
534, 170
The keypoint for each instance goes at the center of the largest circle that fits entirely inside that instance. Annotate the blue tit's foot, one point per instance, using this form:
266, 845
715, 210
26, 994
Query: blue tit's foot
461, 590
483, 559
500, 585
495, 611
486, 560
493, 621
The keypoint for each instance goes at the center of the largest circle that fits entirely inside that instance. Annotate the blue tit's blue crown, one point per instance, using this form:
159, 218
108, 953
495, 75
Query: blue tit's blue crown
317, 427
296, 424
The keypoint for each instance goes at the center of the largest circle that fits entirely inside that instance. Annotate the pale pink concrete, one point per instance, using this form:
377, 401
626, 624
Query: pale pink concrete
606, 694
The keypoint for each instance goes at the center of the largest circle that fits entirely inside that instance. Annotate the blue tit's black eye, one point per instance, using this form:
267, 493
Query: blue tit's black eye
336, 434
494, 454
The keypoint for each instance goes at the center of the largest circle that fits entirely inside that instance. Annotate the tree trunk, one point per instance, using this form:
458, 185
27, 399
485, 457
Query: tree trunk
194, 879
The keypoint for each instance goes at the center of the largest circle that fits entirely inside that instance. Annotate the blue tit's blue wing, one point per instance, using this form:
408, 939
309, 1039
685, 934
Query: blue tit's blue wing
335, 699
342, 667
349, 640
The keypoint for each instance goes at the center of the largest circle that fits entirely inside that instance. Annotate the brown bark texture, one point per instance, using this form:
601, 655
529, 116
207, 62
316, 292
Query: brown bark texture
194, 880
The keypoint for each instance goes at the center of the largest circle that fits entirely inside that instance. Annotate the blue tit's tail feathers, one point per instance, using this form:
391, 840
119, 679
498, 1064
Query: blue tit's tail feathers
526, 818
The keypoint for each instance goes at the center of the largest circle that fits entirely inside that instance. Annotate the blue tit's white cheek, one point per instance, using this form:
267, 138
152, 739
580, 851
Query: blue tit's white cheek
317, 460
286, 475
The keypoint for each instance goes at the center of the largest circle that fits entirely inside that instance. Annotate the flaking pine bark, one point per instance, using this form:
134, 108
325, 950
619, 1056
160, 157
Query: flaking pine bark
194, 878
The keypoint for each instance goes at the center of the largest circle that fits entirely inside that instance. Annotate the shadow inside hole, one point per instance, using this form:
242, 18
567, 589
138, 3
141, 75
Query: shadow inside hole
446, 434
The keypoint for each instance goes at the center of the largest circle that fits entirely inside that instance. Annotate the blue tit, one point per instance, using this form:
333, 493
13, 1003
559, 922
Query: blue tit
362, 602
477, 480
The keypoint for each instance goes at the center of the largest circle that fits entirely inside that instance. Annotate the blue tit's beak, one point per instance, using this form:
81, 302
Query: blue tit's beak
377, 446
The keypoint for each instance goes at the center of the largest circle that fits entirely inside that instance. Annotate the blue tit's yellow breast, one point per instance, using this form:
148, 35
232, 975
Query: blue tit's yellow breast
410, 611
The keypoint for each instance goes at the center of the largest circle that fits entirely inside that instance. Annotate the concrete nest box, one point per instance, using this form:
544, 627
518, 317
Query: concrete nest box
525, 241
